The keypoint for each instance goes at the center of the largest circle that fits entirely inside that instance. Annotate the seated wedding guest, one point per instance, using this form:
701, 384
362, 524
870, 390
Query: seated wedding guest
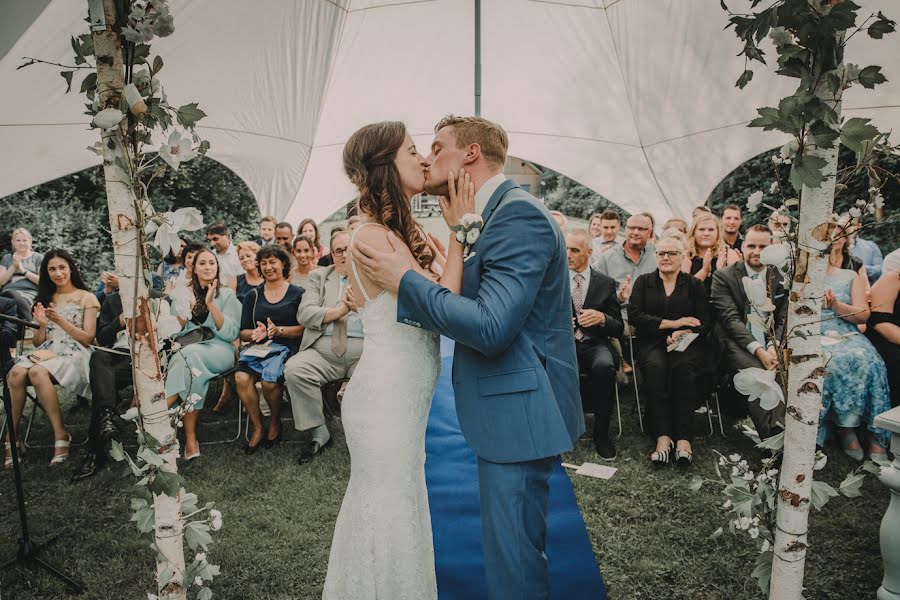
597, 317
67, 315
731, 227
309, 229
745, 344
331, 347
699, 211
604, 229
179, 289
634, 257
561, 220
266, 231
216, 311
304, 260
883, 326
856, 385
780, 226
706, 252
251, 277
19, 269
664, 306
269, 321
226, 253
9, 332
109, 283
677, 224
110, 371
866, 252
171, 266
284, 235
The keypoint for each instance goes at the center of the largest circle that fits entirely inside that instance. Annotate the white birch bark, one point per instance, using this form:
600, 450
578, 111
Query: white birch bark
805, 376
149, 384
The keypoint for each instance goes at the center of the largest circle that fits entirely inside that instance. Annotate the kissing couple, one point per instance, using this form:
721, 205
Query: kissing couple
499, 287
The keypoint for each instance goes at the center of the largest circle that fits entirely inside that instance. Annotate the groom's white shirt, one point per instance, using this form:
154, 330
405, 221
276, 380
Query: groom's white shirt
484, 193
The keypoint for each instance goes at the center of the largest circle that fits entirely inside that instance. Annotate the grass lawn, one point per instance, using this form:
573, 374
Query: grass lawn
649, 532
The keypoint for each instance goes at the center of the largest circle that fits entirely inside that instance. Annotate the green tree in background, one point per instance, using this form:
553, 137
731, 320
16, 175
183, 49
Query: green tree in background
71, 213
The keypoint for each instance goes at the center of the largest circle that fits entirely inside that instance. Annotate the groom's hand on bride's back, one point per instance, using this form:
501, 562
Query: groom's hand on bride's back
385, 269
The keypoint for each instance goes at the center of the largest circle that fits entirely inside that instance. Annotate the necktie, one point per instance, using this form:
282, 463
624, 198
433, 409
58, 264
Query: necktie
758, 333
578, 301
339, 332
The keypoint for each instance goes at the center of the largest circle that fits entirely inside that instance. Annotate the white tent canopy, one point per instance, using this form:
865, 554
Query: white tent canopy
633, 98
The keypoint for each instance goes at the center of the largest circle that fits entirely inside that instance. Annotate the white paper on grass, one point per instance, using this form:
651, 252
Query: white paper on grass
593, 470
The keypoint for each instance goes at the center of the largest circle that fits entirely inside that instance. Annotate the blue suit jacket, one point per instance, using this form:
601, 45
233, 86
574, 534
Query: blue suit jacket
515, 372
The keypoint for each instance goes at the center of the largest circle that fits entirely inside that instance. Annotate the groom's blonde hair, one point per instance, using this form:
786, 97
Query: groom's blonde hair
476, 130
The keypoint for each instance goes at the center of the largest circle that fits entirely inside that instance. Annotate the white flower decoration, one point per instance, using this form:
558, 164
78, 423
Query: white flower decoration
789, 150
754, 532
183, 219
855, 212
821, 461
461, 237
757, 294
775, 255
774, 187
196, 372
108, 118
765, 546
180, 297
167, 325
194, 398
201, 556
198, 581
754, 200
727, 504
215, 520
471, 236
131, 414
735, 457
759, 383
177, 150
469, 219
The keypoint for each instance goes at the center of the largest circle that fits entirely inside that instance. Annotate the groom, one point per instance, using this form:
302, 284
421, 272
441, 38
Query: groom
515, 373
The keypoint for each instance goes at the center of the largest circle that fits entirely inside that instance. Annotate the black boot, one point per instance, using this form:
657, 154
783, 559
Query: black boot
107, 430
91, 465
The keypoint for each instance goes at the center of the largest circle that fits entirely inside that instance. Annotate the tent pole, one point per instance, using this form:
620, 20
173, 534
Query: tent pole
477, 58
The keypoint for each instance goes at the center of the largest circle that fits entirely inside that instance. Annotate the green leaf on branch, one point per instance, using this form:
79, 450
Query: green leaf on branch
763, 571
189, 114
851, 485
79, 58
872, 468
855, 131
86, 41
871, 76
67, 75
807, 170
116, 452
88, 84
744, 79
752, 52
821, 493
141, 53
166, 483
150, 457
157, 65
823, 134
774, 443
879, 28
204, 594
145, 519
166, 577
196, 534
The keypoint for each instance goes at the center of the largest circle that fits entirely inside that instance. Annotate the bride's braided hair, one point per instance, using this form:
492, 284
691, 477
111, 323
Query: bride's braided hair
369, 163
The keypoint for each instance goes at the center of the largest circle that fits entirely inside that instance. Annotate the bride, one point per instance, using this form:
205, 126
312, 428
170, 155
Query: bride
382, 546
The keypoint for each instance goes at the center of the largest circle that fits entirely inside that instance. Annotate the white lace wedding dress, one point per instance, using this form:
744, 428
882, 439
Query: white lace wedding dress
382, 547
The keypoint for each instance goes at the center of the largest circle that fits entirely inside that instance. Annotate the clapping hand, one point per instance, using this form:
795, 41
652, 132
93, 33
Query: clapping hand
348, 299
110, 281
53, 314
625, 290
17, 265
260, 333
707, 259
722, 258
461, 200
211, 292
829, 298
40, 315
271, 328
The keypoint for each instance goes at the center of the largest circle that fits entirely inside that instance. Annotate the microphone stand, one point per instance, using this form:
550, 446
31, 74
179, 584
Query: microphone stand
27, 554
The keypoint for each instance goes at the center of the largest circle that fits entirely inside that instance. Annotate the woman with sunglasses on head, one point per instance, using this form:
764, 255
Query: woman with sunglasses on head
664, 306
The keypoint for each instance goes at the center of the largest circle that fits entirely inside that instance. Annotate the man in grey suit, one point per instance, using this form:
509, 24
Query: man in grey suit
746, 344
331, 346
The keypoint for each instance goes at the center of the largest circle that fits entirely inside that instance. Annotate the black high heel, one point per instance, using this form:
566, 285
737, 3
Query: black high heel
661, 459
268, 444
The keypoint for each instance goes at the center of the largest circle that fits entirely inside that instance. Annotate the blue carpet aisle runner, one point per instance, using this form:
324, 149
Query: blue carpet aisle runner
452, 475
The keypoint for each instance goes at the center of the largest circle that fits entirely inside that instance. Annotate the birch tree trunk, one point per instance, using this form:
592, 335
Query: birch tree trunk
805, 373
149, 384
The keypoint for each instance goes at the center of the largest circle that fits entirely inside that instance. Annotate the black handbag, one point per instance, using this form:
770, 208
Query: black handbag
200, 334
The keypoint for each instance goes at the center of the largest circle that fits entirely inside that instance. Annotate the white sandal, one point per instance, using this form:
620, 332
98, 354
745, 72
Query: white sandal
61, 458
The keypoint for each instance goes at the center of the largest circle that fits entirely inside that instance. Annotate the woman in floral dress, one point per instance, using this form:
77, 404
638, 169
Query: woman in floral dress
67, 315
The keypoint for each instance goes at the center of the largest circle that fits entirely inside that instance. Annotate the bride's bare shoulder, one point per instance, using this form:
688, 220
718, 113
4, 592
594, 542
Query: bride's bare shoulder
374, 235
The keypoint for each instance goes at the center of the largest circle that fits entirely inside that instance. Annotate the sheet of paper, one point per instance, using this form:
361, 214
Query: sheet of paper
593, 470
683, 342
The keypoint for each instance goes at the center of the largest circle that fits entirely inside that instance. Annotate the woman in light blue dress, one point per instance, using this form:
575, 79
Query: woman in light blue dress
191, 367
856, 386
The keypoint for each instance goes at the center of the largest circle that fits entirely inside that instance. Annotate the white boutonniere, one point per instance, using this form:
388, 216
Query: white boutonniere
468, 230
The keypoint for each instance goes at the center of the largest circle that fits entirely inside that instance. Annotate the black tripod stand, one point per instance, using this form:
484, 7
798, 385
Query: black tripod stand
28, 553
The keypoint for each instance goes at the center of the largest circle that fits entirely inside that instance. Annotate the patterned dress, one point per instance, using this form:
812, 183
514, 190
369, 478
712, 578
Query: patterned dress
856, 385
70, 365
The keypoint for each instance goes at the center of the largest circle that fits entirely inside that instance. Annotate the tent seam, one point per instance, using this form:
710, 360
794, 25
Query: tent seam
637, 129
